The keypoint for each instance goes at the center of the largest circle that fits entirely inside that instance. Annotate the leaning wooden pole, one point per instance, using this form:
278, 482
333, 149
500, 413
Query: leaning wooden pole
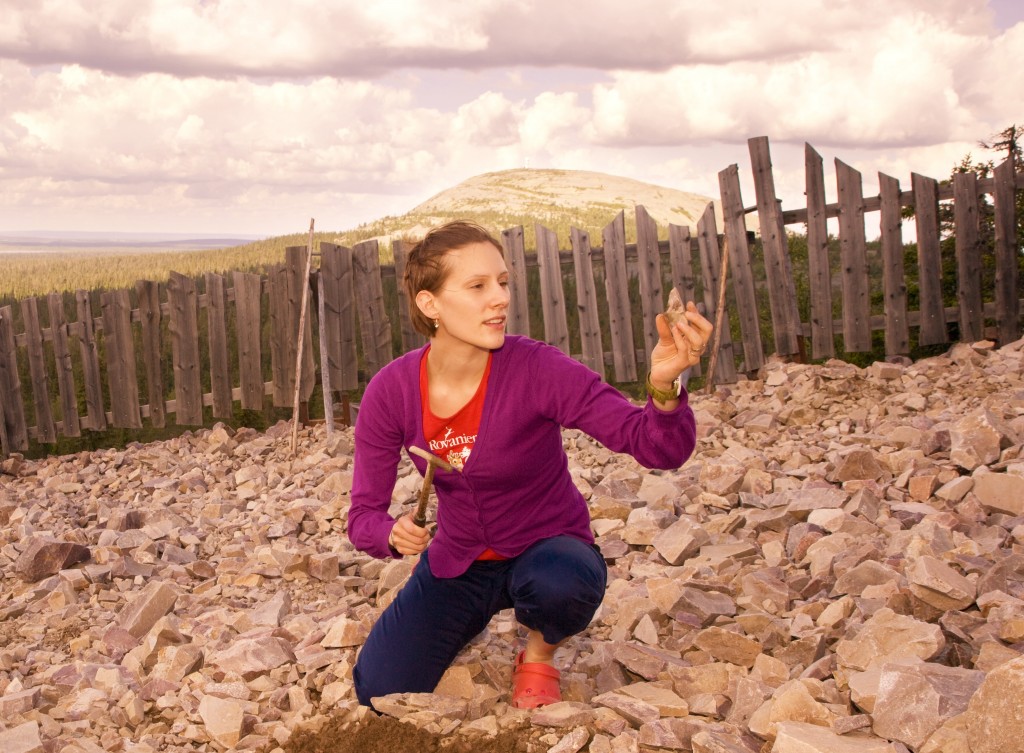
298, 349
325, 368
716, 339
4, 441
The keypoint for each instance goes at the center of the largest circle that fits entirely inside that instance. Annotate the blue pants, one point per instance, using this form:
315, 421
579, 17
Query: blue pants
555, 587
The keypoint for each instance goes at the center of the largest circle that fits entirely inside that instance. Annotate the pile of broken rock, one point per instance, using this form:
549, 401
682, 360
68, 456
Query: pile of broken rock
839, 568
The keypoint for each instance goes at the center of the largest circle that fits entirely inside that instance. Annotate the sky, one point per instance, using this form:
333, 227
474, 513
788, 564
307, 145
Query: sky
251, 117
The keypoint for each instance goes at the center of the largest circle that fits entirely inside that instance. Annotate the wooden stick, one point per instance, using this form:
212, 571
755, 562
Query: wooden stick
433, 461
325, 368
5, 441
723, 270
420, 516
298, 349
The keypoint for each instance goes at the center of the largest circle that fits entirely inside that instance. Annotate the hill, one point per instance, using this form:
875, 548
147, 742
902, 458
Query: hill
560, 199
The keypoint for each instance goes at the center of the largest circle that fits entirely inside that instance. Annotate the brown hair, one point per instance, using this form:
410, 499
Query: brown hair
426, 268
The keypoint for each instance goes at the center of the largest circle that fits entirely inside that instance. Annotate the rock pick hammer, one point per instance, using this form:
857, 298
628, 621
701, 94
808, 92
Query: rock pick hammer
433, 461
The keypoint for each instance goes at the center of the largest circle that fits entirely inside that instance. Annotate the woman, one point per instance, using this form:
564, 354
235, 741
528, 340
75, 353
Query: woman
512, 529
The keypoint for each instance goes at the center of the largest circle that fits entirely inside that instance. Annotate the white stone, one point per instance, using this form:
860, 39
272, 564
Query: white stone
223, 719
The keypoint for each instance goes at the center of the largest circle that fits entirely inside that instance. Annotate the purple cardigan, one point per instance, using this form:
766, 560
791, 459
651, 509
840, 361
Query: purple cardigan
515, 488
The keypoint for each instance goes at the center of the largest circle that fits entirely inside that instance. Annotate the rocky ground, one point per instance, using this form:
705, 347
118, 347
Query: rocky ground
839, 568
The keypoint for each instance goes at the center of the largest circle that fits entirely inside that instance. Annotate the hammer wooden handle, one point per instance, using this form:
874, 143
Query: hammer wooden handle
420, 516
433, 461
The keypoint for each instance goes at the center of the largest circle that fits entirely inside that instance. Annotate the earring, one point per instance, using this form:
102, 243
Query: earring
437, 323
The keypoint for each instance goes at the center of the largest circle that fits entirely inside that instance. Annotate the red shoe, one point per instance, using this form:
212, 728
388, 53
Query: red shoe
534, 684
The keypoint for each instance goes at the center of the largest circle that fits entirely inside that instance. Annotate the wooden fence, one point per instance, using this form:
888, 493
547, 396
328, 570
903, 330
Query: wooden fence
858, 321
85, 373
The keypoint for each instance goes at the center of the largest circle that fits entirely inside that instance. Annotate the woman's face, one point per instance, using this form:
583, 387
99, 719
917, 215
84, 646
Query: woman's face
472, 304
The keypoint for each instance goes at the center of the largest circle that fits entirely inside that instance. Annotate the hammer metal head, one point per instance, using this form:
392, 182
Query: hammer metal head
432, 459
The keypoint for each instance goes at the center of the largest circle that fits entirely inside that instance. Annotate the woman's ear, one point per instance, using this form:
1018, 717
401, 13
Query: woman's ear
426, 303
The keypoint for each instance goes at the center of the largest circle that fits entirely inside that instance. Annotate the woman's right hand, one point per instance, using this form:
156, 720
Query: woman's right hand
408, 538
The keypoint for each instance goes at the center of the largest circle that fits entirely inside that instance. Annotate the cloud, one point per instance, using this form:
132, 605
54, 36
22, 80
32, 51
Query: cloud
78, 137
490, 119
991, 80
909, 81
75, 136
351, 38
231, 37
99, 124
254, 110
553, 121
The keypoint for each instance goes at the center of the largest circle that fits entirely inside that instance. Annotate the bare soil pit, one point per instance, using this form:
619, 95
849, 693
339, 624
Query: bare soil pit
385, 734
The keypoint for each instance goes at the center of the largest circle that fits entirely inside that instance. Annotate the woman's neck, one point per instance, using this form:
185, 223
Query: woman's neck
455, 363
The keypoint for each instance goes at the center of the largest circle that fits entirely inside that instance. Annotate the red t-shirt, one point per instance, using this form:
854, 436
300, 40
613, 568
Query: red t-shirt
452, 438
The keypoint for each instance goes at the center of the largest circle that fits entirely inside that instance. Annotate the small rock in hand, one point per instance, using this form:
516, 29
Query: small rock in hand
675, 312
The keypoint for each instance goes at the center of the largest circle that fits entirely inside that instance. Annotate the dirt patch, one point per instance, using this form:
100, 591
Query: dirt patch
58, 638
385, 734
9, 633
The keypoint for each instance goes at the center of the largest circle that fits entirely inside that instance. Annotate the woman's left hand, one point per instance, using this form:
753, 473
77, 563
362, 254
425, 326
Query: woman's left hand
679, 347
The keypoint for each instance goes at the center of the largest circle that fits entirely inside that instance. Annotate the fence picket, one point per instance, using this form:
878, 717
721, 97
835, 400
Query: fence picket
248, 296
894, 284
121, 373
968, 256
295, 268
616, 280
552, 292
681, 265
778, 267
823, 342
681, 262
184, 329
95, 413
282, 340
710, 266
933, 329
411, 339
70, 423
217, 332
15, 426
1007, 273
339, 305
5, 442
374, 325
652, 297
586, 301
46, 431
150, 317
740, 269
515, 257
854, 258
